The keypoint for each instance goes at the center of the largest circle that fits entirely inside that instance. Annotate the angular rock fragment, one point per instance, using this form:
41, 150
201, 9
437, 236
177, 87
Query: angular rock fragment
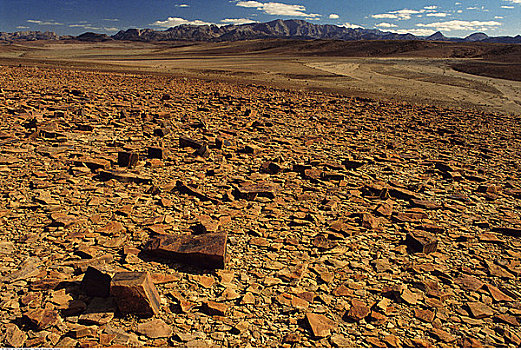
95, 283
127, 159
421, 241
100, 311
14, 337
155, 329
105, 175
185, 141
43, 318
479, 310
321, 326
358, 310
263, 189
156, 153
214, 308
208, 250
134, 293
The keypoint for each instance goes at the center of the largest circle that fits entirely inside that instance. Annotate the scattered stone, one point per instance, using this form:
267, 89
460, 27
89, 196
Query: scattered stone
155, 329
321, 326
135, 293
127, 159
95, 283
208, 250
358, 310
99, 311
14, 337
479, 310
421, 241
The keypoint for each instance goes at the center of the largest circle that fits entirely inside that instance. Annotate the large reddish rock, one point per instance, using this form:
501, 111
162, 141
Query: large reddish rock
135, 293
43, 318
359, 310
479, 310
421, 241
95, 283
207, 250
320, 325
127, 159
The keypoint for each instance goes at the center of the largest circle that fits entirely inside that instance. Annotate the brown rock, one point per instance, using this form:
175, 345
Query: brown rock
43, 318
95, 283
214, 308
155, 329
185, 141
358, 310
14, 337
497, 294
468, 342
292, 338
409, 297
261, 189
205, 225
127, 159
469, 283
424, 315
369, 221
100, 311
321, 326
508, 319
421, 241
156, 153
135, 293
479, 310
207, 250
444, 336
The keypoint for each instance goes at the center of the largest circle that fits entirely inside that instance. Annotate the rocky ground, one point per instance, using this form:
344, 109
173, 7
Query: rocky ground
142, 210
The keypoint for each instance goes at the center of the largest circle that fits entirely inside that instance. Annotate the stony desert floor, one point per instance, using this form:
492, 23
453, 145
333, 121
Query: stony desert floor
416, 76
148, 210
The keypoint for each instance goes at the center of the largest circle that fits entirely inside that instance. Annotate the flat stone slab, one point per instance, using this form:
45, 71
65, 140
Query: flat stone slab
207, 250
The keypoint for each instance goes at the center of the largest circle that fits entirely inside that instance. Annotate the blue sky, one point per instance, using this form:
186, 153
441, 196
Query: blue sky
422, 17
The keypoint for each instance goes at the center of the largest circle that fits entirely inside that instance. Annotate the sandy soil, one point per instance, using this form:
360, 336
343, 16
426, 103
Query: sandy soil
416, 80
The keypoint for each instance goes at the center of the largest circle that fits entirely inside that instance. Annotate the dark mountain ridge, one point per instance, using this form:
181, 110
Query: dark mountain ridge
277, 29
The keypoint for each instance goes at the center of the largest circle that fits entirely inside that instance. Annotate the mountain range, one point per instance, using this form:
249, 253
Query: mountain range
277, 29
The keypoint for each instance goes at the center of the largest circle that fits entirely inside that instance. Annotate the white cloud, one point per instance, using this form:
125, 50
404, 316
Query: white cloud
418, 32
385, 15
514, 1
237, 21
177, 21
351, 25
386, 25
457, 3
45, 23
182, 5
334, 16
498, 17
111, 19
111, 29
22, 27
437, 14
460, 25
278, 9
507, 7
432, 7
401, 15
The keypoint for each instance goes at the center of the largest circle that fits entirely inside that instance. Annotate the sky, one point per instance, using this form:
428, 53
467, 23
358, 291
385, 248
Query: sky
454, 18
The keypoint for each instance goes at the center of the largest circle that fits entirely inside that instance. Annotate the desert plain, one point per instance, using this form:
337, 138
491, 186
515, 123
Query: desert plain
260, 194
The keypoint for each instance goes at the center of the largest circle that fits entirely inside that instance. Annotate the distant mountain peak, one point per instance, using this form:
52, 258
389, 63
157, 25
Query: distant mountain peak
438, 36
477, 37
